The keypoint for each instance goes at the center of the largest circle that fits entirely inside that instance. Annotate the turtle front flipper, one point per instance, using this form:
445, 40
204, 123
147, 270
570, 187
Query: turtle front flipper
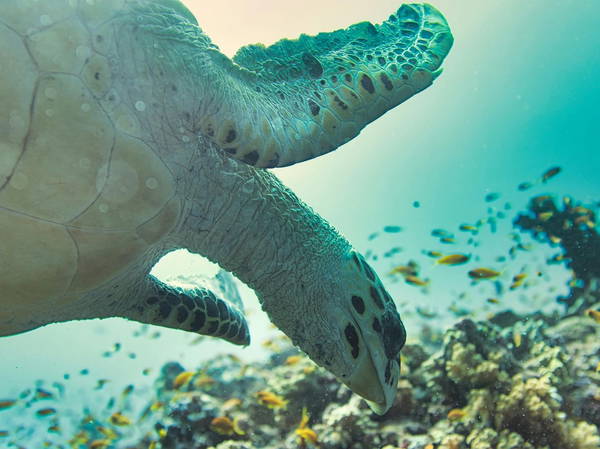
197, 310
298, 99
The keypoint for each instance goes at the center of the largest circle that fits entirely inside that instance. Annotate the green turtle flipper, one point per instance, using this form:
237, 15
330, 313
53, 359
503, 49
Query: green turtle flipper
197, 310
315, 93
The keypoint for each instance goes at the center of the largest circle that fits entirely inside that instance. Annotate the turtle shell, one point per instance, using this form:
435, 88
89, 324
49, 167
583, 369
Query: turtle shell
82, 196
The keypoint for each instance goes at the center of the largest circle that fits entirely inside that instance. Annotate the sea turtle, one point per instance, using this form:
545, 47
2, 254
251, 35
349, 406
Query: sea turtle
125, 134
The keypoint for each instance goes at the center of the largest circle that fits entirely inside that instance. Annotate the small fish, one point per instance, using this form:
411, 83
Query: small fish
304, 432
204, 380
429, 314
231, 403
4, 433
372, 236
493, 300
545, 216
41, 394
392, 229
593, 314
127, 391
404, 270
483, 273
456, 414
416, 204
146, 371
524, 186
100, 444
438, 232
292, 360
107, 432
101, 383
414, 280
554, 239
519, 277
429, 446
118, 419
182, 379
550, 173
448, 240
55, 429
598, 367
271, 400
225, 426
84, 372
433, 254
7, 403
453, 259
46, 412
517, 338
467, 228
493, 196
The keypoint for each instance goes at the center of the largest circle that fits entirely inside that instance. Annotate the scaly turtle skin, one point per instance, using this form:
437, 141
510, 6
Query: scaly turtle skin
125, 134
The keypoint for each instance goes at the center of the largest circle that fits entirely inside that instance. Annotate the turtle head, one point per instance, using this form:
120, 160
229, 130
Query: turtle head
373, 334
346, 322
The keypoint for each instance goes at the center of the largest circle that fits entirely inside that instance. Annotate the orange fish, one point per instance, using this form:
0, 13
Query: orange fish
456, 414
182, 379
293, 359
225, 426
119, 419
271, 400
593, 314
414, 280
483, 273
7, 404
453, 259
46, 412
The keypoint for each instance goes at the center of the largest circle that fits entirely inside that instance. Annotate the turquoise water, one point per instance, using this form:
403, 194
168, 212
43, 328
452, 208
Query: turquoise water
519, 94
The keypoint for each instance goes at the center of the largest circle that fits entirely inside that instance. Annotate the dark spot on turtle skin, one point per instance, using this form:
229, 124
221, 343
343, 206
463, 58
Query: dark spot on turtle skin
315, 69
381, 60
251, 158
394, 334
376, 297
376, 325
223, 312
211, 308
212, 327
334, 79
152, 300
359, 304
367, 83
388, 372
340, 103
99, 38
230, 150
314, 107
164, 310
394, 68
182, 314
352, 337
386, 81
231, 135
356, 260
426, 34
369, 271
173, 299
188, 302
97, 76
198, 321
281, 96
348, 77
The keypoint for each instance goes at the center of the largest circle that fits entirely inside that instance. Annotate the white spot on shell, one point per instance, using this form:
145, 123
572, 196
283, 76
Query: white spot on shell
16, 121
50, 93
19, 181
103, 208
186, 139
140, 106
45, 20
49, 112
85, 107
152, 183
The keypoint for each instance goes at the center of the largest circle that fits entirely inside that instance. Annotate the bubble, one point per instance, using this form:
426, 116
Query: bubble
140, 106
152, 183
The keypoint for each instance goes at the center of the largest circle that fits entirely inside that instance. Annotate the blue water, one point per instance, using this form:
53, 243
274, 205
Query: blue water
519, 94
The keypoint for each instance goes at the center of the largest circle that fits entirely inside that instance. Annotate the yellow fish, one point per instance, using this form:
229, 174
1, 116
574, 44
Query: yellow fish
100, 444
593, 314
598, 367
517, 338
7, 404
293, 359
456, 414
107, 432
46, 412
126, 391
204, 381
550, 173
54, 429
231, 403
182, 379
271, 400
225, 426
407, 270
448, 240
545, 216
434, 254
467, 227
452, 259
414, 280
304, 432
493, 300
483, 273
118, 419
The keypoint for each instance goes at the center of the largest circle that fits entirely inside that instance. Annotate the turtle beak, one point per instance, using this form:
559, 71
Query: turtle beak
368, 380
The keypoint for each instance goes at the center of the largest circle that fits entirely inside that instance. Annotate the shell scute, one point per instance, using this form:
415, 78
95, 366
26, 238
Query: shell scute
29, 16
